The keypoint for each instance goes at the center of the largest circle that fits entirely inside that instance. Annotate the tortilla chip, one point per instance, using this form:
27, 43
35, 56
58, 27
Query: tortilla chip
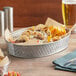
4, 61
51, 22
1, 53
8, 35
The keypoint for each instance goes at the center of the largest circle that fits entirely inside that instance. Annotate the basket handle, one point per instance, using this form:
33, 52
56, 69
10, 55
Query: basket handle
71, 29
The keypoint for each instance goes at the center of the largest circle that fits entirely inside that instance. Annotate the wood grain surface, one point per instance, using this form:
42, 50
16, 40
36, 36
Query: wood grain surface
40, 66
33, 12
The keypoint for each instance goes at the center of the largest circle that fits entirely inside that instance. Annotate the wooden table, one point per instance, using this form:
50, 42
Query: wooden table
42, 66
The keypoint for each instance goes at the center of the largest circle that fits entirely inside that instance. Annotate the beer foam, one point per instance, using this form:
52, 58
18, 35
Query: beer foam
69, 1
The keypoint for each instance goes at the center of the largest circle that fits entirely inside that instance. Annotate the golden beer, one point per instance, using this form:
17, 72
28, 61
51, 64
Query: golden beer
69, 12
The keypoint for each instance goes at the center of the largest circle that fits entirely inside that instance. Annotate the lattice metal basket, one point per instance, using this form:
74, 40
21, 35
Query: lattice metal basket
32, 51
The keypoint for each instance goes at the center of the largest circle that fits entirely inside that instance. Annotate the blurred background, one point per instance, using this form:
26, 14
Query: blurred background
33, 12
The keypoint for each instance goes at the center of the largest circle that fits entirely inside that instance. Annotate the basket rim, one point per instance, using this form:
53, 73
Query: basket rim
36, 44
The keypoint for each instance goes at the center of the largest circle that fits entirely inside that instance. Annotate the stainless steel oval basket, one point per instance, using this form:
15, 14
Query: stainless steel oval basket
32, 51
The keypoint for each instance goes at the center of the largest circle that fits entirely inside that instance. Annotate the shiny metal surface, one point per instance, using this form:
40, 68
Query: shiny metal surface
8, 18
1, 23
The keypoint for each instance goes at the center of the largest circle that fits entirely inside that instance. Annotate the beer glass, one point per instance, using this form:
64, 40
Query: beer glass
69, 13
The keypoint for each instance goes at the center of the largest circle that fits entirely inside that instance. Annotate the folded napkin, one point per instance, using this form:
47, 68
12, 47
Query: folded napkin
59, 63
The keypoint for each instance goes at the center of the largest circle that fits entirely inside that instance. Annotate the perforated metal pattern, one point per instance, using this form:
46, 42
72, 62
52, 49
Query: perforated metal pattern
37, 50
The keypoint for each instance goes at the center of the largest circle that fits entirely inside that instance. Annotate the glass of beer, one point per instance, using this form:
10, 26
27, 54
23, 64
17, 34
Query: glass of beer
69, 13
